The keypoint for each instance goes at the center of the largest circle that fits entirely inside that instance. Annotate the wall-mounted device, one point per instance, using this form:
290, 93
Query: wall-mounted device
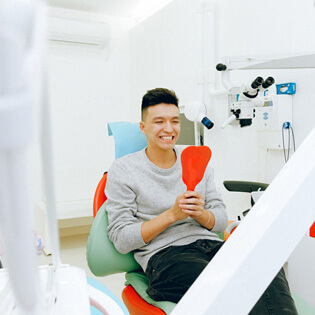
71, 27
274, 123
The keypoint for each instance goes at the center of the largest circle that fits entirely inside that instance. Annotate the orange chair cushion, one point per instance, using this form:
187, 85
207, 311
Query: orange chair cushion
226, 234
136, 305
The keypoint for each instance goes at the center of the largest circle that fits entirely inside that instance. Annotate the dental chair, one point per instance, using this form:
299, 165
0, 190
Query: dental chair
102, 257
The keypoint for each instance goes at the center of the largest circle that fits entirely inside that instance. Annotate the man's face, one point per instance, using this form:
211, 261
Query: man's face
161, 125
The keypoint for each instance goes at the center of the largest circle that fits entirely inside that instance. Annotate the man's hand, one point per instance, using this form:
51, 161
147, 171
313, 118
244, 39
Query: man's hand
150, 229
176, 211
189, 204
193, 205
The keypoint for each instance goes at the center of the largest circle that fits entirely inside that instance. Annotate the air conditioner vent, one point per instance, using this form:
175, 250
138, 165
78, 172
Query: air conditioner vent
78, 28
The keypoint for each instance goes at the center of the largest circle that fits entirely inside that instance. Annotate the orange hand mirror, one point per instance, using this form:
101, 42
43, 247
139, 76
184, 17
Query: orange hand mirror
194, 162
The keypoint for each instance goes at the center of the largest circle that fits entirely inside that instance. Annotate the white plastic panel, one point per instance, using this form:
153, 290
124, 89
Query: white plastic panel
258, 248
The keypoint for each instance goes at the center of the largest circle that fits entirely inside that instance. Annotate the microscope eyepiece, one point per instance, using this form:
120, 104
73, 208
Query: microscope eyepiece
257, 82
269, 81
220, 67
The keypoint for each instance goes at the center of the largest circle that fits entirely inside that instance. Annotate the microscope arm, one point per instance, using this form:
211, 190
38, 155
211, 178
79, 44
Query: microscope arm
228, 121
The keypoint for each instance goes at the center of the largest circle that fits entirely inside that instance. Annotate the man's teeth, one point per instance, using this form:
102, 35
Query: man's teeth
167, 138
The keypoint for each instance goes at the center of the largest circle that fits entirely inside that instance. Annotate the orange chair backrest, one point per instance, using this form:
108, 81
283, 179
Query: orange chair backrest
99, 196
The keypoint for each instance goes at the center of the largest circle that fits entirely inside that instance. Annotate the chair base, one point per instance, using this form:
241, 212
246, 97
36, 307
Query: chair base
136, 305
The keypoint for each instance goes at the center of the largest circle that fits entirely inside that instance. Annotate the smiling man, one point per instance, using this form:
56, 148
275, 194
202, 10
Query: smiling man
170, 230
149, 209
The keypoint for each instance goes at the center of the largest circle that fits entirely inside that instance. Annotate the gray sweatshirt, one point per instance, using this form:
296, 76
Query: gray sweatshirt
138, 190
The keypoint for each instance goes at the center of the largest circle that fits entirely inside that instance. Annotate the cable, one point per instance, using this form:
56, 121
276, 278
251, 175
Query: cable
289, 133
293, 138
288, 127
285, 157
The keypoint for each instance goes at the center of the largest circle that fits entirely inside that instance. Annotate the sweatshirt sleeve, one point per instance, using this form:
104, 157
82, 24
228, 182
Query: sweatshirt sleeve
214, 202
124, 228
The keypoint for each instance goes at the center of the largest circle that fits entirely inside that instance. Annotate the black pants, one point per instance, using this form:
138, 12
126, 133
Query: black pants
173, 270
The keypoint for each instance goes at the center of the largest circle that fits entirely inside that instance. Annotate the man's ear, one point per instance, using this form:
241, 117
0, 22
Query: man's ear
142, 127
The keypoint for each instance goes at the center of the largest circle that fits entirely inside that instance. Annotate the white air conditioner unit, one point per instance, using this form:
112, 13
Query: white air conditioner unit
72, 27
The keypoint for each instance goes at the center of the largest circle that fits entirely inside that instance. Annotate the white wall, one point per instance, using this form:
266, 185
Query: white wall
88, 88
165, 51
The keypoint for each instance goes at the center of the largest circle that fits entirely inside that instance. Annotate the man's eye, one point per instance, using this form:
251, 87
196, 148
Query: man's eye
176, 121
159, 122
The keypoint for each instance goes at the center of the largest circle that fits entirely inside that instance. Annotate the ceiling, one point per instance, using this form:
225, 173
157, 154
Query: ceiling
138, 9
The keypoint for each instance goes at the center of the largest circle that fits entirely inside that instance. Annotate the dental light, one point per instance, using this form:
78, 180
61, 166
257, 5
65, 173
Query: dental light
247, 96
26, 289
196, 111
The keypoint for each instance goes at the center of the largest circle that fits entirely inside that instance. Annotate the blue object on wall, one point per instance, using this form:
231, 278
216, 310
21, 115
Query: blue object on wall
286, 88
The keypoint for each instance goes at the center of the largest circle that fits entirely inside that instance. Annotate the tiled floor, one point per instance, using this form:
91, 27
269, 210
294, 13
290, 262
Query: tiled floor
73, 252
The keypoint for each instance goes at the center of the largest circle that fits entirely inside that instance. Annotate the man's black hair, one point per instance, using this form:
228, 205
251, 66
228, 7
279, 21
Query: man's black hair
158, 96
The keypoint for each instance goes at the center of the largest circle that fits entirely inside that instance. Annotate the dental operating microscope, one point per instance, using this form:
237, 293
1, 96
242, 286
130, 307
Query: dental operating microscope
248, 96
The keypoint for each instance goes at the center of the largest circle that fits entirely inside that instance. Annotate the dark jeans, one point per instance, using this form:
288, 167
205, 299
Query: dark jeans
173, 270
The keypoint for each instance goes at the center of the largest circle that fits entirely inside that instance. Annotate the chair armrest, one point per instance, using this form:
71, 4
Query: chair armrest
244, 186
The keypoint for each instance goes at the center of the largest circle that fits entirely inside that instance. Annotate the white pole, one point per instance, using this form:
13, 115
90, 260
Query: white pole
17, 99
246, 264
49, 176
15, 136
